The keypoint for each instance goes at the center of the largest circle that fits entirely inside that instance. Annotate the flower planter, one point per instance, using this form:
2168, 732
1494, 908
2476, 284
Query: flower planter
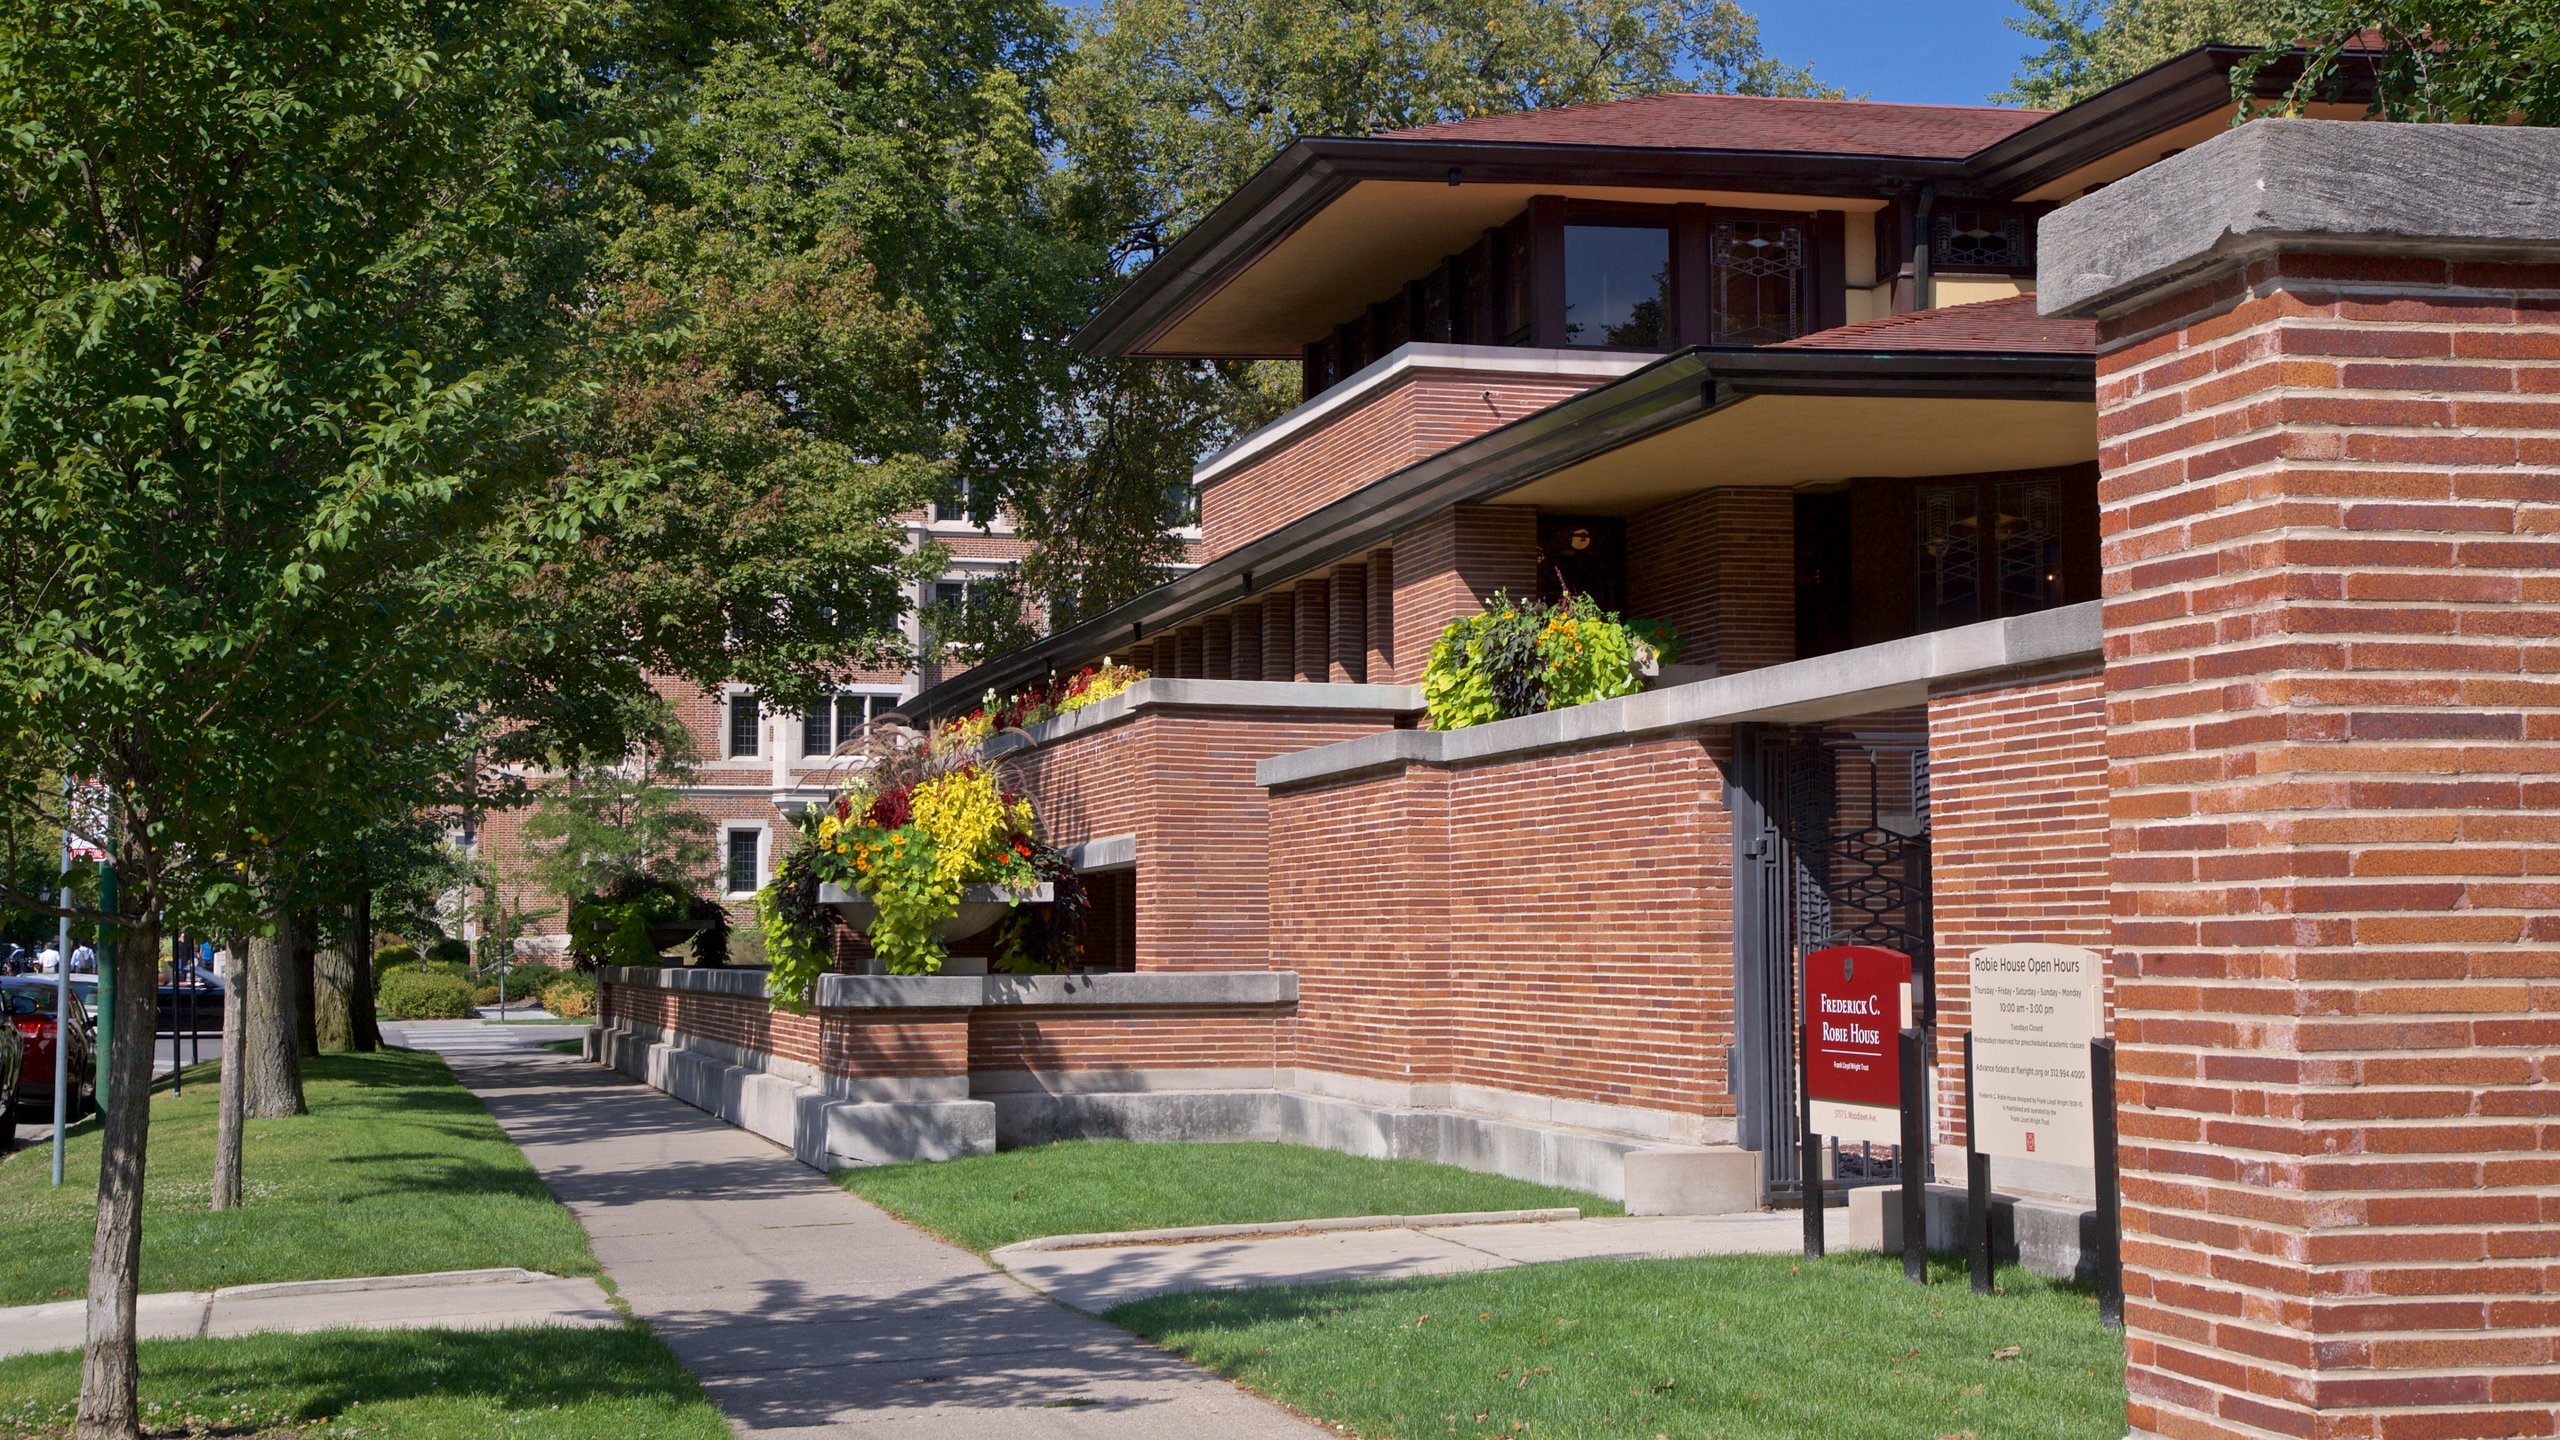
980, 907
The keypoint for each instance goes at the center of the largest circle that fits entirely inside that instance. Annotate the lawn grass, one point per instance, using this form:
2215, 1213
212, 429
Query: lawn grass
1737, 1347
396, 1170
1081, 1186
528, 1384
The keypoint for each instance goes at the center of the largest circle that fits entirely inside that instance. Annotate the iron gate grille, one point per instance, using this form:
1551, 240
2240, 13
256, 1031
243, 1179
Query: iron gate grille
1817, 864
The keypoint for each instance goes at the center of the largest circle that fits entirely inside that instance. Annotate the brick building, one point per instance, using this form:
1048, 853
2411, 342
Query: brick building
2185, 592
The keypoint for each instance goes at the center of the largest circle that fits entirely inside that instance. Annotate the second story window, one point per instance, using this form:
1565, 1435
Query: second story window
746, 726
1617, 285
840, 720
1757, 288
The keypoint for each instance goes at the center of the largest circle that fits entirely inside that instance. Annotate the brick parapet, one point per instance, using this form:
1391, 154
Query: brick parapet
1556, 925
1371, 427
2331, 520
987, 1045
1180, 778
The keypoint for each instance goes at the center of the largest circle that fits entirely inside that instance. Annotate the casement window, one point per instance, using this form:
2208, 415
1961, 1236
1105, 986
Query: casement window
1987, 550
1757, 283
743, 871
841, 719
1607, 275
746, 726
1617, 285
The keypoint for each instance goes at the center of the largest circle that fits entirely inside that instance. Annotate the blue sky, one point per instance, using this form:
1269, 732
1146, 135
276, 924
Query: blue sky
1942, 52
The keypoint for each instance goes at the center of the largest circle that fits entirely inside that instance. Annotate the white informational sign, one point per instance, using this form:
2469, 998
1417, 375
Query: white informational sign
2035, 1010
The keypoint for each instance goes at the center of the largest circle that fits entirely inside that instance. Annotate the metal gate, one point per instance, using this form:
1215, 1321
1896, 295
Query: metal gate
1817, 861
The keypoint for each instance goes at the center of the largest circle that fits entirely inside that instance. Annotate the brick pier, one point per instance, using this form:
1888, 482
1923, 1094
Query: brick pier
2330, 430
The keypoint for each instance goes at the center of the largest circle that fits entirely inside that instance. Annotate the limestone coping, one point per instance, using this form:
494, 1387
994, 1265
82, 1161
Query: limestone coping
1850, 682
2359, 186
1172, 988
1277, 696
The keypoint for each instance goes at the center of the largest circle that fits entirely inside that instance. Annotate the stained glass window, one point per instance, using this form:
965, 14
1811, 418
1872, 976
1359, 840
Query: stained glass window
1950, 558
1758, 285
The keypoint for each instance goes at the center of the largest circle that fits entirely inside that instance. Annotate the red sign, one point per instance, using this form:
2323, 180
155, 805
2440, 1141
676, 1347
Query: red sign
1853, 1012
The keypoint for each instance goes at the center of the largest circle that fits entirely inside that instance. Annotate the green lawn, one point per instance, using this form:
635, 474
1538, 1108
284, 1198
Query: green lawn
1082, 1186
1732, 1347
396, 1170
432, 1385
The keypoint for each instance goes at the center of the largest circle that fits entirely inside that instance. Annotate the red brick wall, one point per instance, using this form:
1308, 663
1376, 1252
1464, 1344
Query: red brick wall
2017, 836
1419, 416
2332, 550
862, 1043
1446, 567
1182, 782
1359, 886
1028, 1039
1720, 567
1558, 925
985, 1040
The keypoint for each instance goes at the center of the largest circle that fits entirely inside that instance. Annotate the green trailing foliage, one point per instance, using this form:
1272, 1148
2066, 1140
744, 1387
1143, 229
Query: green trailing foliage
613, 928
1521, 657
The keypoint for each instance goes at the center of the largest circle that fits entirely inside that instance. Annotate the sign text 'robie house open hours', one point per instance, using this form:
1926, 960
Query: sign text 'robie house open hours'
1857, 998
2035, 1010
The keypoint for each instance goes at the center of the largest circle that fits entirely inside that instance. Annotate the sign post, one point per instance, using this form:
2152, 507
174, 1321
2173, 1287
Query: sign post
1915, 1145
2039, 1081
1857, 1006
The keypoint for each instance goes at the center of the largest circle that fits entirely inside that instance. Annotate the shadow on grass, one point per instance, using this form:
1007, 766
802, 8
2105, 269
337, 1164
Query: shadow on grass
432, 1380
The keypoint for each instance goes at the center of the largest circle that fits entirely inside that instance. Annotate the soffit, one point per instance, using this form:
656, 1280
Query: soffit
2159, 146
1377, 235
1802, 440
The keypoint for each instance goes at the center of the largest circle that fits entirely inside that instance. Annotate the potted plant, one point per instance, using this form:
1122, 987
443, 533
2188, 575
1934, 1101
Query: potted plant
926, 843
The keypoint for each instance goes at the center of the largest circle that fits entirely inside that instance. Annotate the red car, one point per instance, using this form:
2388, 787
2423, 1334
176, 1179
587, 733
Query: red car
34, 1029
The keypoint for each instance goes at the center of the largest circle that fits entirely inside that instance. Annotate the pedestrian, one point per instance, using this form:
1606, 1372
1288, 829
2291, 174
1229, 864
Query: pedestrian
48, 960
84, 961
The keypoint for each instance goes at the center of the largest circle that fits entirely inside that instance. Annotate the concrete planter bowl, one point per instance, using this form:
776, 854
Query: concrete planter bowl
980, 907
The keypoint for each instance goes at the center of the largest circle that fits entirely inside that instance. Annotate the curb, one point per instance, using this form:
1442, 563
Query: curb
1272, 1228
285, 1289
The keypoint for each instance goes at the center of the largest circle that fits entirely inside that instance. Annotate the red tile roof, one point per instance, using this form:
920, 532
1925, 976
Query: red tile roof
2010, 325
1749, 122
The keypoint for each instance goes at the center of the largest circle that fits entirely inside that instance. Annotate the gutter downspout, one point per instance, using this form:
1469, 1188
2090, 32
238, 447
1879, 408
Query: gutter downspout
1922, 290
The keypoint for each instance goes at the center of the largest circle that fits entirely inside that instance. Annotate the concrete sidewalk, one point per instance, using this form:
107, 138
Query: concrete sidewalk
1095, 1277
446, 1300
805, 1311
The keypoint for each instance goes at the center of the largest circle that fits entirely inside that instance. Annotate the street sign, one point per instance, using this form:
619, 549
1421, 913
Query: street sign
1857, 999
2035, 1010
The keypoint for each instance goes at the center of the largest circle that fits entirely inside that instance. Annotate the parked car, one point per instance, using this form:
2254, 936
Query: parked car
192, 1002
84, 988
35, 1028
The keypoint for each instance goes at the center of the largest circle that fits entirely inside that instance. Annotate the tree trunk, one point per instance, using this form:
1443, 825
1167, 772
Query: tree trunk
230, 1111
273, 1073
333, 971
364, 1027
306, 983
109, 1401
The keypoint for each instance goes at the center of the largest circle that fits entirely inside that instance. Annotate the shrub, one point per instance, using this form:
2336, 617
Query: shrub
487, 995
571, 997
392, 957
450, 952
411, 994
